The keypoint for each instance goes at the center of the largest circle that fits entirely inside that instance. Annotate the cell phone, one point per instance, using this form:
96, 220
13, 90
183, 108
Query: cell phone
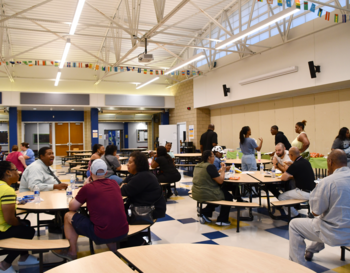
23, 202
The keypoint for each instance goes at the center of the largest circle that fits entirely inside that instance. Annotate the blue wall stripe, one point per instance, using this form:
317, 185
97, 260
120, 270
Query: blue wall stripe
94, 125
13, 126
126, 133
53, 116
164, 118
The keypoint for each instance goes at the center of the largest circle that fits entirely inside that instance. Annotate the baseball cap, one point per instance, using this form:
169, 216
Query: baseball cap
98, 167
218, 149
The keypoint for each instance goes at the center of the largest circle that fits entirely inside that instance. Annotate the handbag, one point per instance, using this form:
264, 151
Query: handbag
142, 215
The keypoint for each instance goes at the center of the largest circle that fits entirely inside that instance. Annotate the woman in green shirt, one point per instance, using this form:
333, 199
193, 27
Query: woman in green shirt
10, 225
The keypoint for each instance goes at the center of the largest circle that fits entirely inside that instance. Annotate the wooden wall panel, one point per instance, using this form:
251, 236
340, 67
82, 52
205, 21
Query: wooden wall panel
215, 118
327, 120
238, 121
226, 127
266, 120
344, 108
251, 119
284, 117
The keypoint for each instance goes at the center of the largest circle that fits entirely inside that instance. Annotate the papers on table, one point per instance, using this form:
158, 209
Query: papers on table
248, 172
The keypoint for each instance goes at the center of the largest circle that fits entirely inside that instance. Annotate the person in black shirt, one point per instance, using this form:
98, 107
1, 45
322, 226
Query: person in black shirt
209, 139
168, 172
304, 178
142, 189
280, 137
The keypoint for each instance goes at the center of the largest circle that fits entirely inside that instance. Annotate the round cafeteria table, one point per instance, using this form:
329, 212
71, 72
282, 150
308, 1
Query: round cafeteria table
77, 151
206, 258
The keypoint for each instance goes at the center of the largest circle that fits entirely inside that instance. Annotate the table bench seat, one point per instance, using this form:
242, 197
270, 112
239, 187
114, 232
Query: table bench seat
39, 246
288, 203
342, 254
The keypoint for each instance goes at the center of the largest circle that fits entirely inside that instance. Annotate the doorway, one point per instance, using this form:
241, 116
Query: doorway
38, 135
181, 134
68, 135
114, 137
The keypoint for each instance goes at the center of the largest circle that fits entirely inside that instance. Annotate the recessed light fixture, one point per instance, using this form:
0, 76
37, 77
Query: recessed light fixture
34, 108
72, 109
51, 109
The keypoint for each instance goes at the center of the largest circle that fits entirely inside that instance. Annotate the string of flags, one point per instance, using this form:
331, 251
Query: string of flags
103, 68
312, 9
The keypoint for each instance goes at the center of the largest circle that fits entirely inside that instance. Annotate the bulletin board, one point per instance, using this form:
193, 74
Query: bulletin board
142, 135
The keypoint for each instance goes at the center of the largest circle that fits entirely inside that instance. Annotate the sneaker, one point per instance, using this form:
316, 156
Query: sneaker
308, 256
206, 219
224, 224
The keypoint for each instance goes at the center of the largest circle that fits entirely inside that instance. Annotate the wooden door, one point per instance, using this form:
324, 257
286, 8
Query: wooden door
62, 138
76, 135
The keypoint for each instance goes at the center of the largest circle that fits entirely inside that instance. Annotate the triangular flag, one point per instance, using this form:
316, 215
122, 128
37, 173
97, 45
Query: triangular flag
328, 15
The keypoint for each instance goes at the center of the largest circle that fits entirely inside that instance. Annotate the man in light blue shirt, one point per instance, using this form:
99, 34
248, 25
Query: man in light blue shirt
39, 173
329, 202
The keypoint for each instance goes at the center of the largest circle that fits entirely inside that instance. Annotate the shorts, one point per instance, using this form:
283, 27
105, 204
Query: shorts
84, 226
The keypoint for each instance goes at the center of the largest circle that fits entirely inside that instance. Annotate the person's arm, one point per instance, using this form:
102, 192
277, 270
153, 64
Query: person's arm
260, 145
74, 205
220, 179
133, 187
306, 143
286, 176
21, 158
79, 199
214, 140
9, 212
201, 148
26, 157
201, 143
319, 198
275, 162
154, 163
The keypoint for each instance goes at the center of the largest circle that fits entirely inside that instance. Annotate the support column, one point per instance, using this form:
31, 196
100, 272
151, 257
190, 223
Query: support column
94, 126
12, 127
164, 118
126, 135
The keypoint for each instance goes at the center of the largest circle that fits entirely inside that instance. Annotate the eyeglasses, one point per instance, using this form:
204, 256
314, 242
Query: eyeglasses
13, 170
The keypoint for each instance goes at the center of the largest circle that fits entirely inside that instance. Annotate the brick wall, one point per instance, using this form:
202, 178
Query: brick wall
87, 130
200, 117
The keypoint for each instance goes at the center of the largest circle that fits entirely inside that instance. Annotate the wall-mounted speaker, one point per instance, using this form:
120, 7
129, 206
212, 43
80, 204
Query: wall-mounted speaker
313, 69
226, 90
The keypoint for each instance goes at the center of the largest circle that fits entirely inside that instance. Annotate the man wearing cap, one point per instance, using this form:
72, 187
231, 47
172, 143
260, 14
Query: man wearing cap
218, 152
107, 223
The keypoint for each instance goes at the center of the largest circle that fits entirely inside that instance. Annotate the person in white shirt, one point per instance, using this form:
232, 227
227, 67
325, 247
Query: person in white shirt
329, 203
39, 173
281, 159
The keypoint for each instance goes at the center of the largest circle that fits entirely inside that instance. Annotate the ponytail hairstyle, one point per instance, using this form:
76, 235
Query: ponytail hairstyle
161, 151
4, 166
302, 124
243, 133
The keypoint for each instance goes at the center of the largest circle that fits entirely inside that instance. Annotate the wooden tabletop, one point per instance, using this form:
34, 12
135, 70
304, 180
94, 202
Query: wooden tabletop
188, 155
125, 168
82, 154
15, 243
53, 200
244, 178
263, 179
79, 151
206, 258
123, 158
133, 149
102, 262
239, 161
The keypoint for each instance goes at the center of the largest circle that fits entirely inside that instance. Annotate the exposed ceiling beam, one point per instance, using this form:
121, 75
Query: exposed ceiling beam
159, 6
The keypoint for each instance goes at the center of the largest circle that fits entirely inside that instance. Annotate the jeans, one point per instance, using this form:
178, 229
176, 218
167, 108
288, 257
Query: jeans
23, 231
293, 194
299, 230
224, 210
249, 163
116, 178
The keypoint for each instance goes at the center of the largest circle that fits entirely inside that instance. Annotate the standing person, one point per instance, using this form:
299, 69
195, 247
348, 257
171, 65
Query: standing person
17, 159
207, 183
330, 201
280, 137
209, 139
248, 147
107, 222
27, 153
39, 173
168, 172
342, 142
301, 141
98, 151
112, 160
10, 225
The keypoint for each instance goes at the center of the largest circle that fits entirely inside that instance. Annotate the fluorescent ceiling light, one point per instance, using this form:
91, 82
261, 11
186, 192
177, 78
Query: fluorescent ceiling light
270, 75
273, 19
191, 60
144, 84
65, 53
77, 14
58, 77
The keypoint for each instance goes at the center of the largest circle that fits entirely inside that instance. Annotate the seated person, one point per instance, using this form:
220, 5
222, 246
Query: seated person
39, 173
206, 187
107, 223
143, 189
98, 151
281, 161
17, 159
10, 225
304, 178
218, 152
330, 201
28, 153
113, 165
168, 172
168, 146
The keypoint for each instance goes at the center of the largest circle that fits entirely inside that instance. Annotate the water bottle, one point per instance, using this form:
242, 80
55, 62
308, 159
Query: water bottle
261, 168
72, 182
36, 194
237, 155
232, 170
273, 172
69, 194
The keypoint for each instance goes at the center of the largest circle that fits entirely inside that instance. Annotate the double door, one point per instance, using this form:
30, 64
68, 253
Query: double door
69, 136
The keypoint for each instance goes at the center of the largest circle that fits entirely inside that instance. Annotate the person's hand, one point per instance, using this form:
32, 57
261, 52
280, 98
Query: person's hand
117, 156
222, 164
260, 138
151, 154
61, 186
288, 163
87, 180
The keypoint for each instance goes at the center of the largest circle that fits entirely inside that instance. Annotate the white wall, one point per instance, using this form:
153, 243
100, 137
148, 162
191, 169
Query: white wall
328, 48
132, 127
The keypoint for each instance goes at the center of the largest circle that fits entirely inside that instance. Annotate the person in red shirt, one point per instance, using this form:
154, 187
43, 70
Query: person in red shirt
107, 223
17, 159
